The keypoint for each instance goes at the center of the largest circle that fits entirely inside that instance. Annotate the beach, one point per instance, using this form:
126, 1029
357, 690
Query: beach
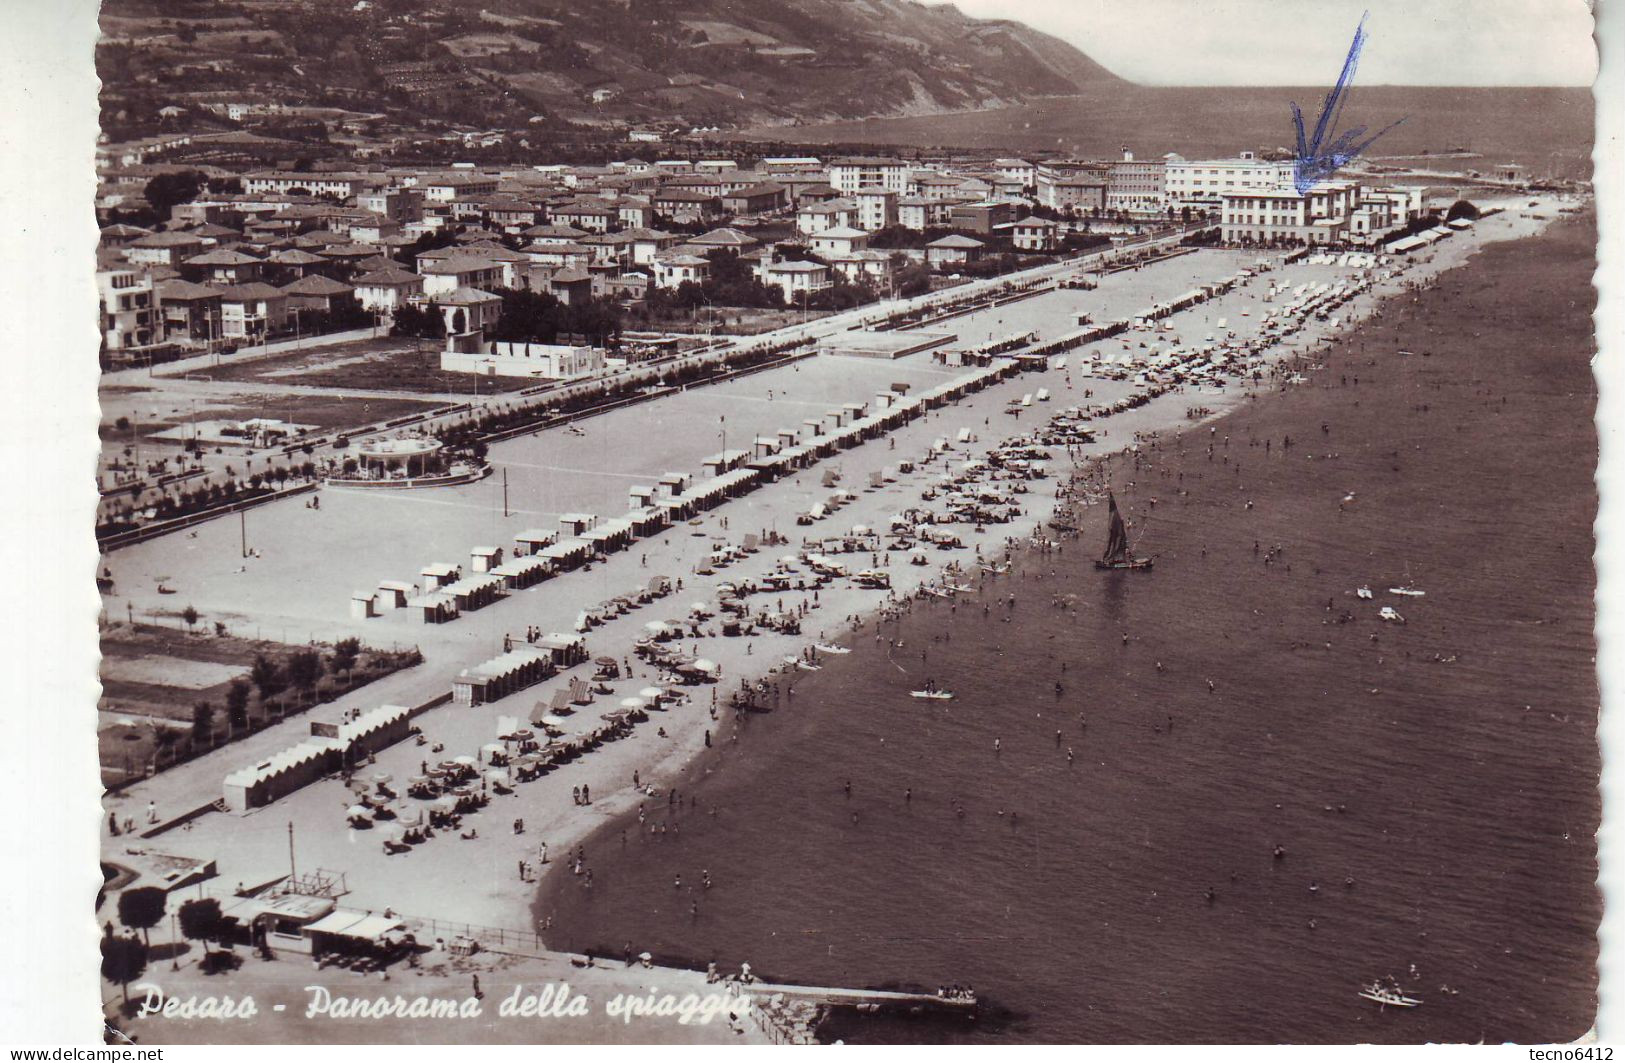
299, 588
1208, 802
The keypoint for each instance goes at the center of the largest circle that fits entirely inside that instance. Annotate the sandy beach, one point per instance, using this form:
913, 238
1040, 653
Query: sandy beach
311, 560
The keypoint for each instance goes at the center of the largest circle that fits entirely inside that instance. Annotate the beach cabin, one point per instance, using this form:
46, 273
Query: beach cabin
439, 575
520, 667
475, 592
673, 484
574, 524
640, 497
647, 521
394, 594
568, 554
485, 558
763, 446
717, 464
435, 608
567, 651
610, 536
280, 774
532, 540
366, 732
517, 573
363, 605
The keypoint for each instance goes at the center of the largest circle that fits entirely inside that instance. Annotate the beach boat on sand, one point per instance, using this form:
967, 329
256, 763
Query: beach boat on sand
1363, 592
1408, 591
932, 695
1388, 995
825, 648
1117, 554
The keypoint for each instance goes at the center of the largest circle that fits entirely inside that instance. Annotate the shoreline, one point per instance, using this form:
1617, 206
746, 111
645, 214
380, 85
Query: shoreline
1384, 746
478, 880
694, 758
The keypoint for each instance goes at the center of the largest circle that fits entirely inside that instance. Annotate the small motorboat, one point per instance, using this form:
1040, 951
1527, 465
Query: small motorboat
824, 648
808, 666
932, 695
1408, 592
1387, 613
1388, 995
1364, 592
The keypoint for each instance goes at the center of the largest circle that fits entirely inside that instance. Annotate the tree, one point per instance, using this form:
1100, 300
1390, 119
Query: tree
1461, 208
266, 676
304, 669
345, 652
142, 909
237, 705
202, 723
169, 190
123, 961
201, 920
189, 614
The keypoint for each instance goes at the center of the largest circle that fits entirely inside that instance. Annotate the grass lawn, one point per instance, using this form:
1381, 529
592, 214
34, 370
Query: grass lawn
380, 365
152, 677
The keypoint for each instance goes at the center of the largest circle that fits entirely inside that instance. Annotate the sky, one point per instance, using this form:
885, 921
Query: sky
1304, 42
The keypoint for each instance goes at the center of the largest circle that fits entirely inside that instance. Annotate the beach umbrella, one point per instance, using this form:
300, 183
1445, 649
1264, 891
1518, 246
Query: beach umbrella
550, 720
655, 627
605, 662
498, 777
493, 748
467, 761
699, 608
359, 812
445, 804
419, 780
409, 815
359, 786
651, 693
392, 834
382, 777
632, 703
524, 734
706, 665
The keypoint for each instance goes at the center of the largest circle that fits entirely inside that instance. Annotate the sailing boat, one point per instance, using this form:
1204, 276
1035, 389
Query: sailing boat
1117, 546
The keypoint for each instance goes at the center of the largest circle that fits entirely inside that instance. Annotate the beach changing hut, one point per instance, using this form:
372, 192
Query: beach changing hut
439, 575
475, 592
485, 558
574, 524
566, 650
533, 540
436, 608
521, 667
394, 594
520, 572
568, 554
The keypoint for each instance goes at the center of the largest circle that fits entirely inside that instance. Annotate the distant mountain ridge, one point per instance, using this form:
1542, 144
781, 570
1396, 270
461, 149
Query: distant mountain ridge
608, 62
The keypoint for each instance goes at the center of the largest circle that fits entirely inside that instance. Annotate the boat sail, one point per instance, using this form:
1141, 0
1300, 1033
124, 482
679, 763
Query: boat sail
1117, 554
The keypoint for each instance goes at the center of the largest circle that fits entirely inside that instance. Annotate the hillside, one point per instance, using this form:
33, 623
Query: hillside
594, 62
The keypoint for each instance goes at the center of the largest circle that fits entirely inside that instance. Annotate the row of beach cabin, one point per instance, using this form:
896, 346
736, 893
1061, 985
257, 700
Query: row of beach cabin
445, 591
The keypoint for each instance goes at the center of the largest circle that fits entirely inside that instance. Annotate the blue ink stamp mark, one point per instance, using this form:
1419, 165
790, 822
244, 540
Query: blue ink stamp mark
1316, 159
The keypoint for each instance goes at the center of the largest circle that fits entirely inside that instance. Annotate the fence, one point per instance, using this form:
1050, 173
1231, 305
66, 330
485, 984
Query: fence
152, 531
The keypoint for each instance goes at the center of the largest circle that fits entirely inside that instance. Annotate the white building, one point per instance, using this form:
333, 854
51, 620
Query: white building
128, 309
542, 361
795, 279
1203, 185
672, 269
840, 240
853, 173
